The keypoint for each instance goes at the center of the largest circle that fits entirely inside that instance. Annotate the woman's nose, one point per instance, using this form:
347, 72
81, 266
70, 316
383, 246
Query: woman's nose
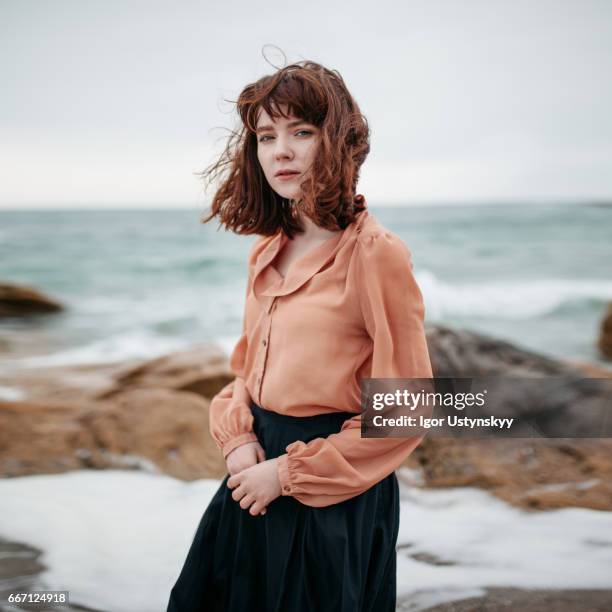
282, 150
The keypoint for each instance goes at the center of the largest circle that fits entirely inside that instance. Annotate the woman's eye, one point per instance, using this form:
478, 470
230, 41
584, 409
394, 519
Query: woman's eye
267, 136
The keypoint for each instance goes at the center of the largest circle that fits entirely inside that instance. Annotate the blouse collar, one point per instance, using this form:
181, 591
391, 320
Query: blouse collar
268, 283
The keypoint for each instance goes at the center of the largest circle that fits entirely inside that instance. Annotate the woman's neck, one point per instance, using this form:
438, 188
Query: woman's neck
313, 232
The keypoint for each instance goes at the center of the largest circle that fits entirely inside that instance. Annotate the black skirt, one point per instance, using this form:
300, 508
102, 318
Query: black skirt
338, 558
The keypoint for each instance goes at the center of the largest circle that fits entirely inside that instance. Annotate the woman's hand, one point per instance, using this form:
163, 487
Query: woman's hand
244, 456
257, 486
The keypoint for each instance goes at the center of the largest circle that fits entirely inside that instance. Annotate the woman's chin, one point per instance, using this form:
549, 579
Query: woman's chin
289, 194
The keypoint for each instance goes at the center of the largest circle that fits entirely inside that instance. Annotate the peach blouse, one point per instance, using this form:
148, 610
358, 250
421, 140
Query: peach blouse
348, 309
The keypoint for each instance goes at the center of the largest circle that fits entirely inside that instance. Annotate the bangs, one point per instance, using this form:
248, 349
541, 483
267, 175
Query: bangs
303, 98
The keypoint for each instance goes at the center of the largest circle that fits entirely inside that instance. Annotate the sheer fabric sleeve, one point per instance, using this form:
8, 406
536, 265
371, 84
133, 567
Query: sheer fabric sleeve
330, 470
230, 419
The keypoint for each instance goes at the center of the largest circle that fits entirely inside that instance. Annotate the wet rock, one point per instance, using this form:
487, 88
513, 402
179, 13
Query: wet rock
464, 353
152, 429
201, 369
534, 474
604, 343
22, 300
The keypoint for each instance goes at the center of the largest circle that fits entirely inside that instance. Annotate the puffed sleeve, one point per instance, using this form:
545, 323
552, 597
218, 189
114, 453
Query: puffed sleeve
230, 419
330, 470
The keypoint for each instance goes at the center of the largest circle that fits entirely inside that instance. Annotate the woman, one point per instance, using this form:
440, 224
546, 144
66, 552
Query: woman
307, 517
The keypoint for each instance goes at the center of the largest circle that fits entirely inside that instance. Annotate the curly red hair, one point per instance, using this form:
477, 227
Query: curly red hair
245, 203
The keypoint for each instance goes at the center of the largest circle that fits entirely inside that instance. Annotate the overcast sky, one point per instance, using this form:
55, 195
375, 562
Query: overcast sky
116, 103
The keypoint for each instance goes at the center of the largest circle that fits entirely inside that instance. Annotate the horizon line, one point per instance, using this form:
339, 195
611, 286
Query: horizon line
113, 206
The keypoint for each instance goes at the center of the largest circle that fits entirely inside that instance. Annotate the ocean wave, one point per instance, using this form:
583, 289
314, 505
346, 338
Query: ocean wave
120, 347
509, 299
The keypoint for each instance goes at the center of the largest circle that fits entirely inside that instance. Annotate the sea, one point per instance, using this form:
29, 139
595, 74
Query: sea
140, 283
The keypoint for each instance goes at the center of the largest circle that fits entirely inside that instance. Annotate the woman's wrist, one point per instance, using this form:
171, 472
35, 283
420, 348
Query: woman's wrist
283, 473
239, 440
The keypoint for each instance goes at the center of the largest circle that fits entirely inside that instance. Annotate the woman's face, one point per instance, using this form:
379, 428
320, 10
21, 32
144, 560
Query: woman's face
285, 145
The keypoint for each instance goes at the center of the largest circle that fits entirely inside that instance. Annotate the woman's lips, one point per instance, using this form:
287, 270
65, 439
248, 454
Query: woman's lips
287, 177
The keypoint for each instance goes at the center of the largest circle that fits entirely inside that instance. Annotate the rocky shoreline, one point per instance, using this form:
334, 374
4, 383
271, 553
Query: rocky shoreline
153, 415
20, 569
526, 600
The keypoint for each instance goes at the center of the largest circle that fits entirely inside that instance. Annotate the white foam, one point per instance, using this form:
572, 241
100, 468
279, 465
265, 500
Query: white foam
11, 394
119, 347
507, 299
486, 542
117, 539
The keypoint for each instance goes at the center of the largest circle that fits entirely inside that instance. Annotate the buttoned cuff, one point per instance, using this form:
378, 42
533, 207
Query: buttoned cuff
283, 474
237, 441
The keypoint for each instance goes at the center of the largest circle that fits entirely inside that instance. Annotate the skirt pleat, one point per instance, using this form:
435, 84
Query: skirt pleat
339, 558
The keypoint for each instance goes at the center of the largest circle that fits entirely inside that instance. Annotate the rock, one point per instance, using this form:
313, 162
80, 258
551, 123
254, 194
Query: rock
604, 344
151, 415
511, 599
65, 384
168, 428
532, 473
529, 473
546, 397
201, 369
21, 300
39, 438
22, 571
463, 353
591, 370
154, 429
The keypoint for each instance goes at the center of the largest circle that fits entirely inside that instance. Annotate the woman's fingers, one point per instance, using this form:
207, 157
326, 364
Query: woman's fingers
258, 508
238, 493
246, 501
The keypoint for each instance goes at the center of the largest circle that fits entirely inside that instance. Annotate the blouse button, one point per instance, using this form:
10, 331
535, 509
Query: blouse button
286, 488
264, 342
